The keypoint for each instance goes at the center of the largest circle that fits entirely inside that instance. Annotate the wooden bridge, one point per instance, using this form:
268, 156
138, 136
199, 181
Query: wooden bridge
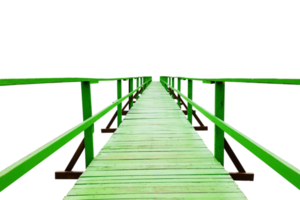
155, 153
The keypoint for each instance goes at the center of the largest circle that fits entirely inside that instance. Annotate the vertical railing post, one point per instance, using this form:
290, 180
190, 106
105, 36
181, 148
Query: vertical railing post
179, 89
143, 83
119, 95
172, 81
137, 84
190, 96
130, 86
87, 113
219, 112
168, 81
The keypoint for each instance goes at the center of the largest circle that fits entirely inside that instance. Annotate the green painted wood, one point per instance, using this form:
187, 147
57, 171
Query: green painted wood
119, 108
155, 154
285, 169
243, 80
120, 137
22, 81
152, 188
137, 86
101, 180
21, 167
164, 196
284, 145
189, 106
130, 87
87, 113
179, 89
219, 112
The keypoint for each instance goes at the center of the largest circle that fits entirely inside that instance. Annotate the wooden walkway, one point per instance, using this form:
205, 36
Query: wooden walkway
155, 154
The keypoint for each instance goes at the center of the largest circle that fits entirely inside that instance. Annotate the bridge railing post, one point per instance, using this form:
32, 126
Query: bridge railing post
87, 112
172, 84
220, 112
190, 96
137, 83
179, 89
131, 85
169, 82
119, 108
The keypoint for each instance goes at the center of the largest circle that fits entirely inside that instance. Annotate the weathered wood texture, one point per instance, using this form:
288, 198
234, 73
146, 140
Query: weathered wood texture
155, 154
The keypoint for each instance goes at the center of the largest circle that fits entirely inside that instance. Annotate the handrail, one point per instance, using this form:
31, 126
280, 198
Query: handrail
22, 81
242, 80
21, 167
285, 169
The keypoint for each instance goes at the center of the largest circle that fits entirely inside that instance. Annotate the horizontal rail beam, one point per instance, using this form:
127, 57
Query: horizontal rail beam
23, 81
246, 80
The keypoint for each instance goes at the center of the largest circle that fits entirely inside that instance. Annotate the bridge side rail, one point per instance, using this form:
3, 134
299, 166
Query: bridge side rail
21, 167
285, 169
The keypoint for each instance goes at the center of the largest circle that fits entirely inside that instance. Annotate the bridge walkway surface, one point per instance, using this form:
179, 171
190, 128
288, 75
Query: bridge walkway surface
155, 154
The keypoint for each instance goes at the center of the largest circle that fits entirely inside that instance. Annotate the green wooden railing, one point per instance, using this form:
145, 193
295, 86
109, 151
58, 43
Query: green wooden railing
83, 129
21, 167
288, 171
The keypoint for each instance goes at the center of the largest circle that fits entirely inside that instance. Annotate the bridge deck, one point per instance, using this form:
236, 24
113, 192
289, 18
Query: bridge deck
155, 154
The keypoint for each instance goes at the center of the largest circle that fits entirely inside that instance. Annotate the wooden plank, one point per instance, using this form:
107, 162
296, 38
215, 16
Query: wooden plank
154, 144
144, 188
188, 179
200, 162
151, 137
160, 179
155, 136
170, 149
153, 155
149, 167
176, 196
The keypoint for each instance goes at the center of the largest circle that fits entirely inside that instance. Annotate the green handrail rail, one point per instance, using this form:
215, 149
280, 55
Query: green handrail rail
243, 80
285, 169
282, 167
21, 167
22, 81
